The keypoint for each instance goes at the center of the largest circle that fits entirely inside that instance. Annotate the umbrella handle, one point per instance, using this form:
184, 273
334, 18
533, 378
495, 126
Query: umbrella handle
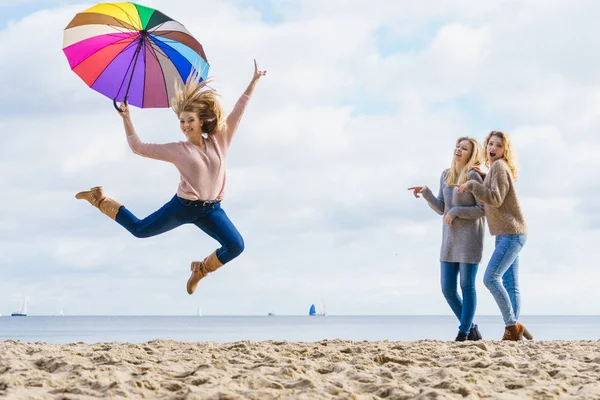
116, 106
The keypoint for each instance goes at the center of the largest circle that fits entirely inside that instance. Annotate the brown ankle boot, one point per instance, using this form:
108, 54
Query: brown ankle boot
202, 268
109, 207
95, 196
516, 332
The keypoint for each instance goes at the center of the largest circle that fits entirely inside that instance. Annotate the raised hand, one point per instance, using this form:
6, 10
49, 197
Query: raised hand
258, 73
417, 190
124, 110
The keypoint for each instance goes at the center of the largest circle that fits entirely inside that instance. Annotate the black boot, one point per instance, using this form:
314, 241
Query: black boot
474, 333
461, 337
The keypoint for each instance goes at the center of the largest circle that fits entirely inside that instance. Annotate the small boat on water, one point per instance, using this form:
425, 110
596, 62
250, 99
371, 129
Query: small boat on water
22, 311
313, 312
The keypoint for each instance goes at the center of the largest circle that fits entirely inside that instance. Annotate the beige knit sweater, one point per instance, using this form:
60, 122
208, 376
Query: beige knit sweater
498, 194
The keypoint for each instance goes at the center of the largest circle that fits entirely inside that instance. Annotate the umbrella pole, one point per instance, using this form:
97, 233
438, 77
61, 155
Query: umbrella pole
137, 53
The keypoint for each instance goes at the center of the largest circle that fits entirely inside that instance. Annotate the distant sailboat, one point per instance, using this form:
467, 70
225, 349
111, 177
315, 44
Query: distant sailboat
22, 311
322, 310
62, 314
199, 311
313, 311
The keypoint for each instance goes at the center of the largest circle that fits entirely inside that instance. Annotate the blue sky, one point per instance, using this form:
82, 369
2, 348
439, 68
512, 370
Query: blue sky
362, 100
12, 12
15, 10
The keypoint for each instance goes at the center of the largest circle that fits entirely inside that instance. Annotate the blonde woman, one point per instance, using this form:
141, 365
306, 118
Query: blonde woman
462, 237
506, 222
201, 161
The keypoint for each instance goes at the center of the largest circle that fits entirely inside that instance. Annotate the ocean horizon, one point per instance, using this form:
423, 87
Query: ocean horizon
293, 328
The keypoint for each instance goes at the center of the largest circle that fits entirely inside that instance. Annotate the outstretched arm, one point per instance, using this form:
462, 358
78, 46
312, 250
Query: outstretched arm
127, 123
496, 192
470, 212
255, 78
498, 185
437, 204
165, 152
234, 117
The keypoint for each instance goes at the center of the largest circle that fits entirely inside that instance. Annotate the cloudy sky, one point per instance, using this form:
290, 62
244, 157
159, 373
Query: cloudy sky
362, 100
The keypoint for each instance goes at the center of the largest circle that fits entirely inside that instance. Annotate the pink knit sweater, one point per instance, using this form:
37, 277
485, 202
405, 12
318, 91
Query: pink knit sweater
203, 173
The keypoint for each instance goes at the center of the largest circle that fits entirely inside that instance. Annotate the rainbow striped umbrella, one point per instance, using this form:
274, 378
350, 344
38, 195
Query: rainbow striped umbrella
130, 52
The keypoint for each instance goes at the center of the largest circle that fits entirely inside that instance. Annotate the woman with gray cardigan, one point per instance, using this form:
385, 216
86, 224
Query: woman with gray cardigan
463, 231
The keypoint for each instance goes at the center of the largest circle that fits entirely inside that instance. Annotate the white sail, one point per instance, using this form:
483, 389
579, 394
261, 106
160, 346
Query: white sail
23, 309
322, 310
62, 314
199, 311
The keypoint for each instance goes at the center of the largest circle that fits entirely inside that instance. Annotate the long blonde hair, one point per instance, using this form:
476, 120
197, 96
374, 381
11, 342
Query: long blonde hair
195, 96
474, 161
509, 154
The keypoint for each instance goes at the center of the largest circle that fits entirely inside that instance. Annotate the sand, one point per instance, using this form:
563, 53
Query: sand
335, 369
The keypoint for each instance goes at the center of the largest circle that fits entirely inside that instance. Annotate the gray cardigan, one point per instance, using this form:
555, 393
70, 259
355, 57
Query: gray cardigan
462, 241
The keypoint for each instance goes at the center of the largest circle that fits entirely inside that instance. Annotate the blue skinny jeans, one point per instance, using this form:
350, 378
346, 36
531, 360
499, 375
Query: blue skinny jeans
178, 211
464, 308
502, 276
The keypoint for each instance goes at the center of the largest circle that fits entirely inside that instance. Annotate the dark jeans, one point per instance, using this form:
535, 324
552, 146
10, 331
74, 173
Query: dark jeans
210, 218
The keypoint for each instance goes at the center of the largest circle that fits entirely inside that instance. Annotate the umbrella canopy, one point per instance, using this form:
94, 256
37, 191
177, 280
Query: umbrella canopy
130, 52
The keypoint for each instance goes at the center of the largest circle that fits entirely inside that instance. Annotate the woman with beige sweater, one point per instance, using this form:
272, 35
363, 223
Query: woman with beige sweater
506, 222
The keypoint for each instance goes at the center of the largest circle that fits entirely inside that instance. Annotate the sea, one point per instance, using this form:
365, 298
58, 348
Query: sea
223, 329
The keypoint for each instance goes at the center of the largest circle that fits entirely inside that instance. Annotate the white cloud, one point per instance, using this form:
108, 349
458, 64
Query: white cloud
360, 102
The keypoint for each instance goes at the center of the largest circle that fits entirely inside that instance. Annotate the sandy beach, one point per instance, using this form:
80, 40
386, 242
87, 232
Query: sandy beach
335, 369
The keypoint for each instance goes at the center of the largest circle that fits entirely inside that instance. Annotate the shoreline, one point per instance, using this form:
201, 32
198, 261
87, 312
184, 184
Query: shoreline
326, 369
